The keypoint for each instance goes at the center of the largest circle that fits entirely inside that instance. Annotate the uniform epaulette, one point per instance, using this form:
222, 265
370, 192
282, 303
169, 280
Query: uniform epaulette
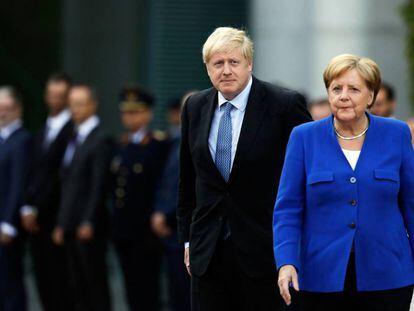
159, 135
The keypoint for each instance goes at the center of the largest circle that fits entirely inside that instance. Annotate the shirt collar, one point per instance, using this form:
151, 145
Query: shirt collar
240, 101
138, 136
87, 126
9, 129
57, 121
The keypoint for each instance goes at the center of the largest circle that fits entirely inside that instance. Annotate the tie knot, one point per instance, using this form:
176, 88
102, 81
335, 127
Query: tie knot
226, 107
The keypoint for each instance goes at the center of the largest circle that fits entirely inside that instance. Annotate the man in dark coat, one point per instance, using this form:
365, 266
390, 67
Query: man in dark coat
38, 215
136, 168
15, 144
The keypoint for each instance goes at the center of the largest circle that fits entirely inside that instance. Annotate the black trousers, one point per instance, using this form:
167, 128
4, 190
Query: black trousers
51, 273
178, 279
12, 292
88, 274
141, 272
350, 299
226, 287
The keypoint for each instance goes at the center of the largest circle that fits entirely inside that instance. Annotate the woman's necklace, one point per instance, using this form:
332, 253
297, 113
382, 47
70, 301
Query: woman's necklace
351, 137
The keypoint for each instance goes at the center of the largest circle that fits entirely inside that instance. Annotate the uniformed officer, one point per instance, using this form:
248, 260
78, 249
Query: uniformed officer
136, 168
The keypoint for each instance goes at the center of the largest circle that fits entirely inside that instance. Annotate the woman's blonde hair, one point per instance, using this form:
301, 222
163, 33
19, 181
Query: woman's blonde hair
226, 39
366, 68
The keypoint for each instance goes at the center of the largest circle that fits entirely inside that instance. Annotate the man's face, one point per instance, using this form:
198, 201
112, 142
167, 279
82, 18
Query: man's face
56, 96
134, 120
229, 72
81, 104
383, 106
9, 110
319, 112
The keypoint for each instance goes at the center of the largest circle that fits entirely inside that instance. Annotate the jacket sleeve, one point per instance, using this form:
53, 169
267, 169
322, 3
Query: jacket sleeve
406, 194
289, 206
18, 167
186, 191
99, 181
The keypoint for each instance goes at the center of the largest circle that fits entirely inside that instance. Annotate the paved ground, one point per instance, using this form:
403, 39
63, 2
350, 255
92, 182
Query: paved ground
118, 301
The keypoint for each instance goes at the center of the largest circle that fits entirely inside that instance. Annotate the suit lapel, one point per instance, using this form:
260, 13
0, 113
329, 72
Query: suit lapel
252, 120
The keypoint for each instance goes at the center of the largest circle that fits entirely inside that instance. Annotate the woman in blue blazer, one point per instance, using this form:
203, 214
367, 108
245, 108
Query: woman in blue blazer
344, 217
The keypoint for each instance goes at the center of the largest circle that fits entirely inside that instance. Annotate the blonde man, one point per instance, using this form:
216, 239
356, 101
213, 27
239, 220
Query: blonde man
234, 138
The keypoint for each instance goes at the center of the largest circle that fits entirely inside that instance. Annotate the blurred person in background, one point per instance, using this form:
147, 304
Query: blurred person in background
82, 220
233, 143
344, 214
38, 215
319, 109
15, 144
164, 222
385, 103
136, 168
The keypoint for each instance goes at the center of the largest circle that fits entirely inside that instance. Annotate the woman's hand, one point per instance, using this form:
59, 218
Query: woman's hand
287, 276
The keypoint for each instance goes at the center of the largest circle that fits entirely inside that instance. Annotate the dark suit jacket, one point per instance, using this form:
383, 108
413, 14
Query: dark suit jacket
14, 160
84, 185
43, 188
247, 199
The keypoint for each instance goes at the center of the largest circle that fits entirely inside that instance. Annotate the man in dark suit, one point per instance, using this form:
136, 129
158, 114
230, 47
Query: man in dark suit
14, 156
38, 215
136, 168
82, 216
233, 144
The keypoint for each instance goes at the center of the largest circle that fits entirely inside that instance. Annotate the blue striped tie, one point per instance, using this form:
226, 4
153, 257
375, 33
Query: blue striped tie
224, 142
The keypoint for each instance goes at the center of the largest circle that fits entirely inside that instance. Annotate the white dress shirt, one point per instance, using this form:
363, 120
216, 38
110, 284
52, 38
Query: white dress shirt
138, 136
54, 125
5, 133
237, 115
83, 130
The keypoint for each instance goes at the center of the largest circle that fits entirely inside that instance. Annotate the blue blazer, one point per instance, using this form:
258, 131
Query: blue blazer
323, 207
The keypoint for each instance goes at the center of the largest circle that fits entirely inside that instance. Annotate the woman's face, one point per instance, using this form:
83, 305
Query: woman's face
349, 96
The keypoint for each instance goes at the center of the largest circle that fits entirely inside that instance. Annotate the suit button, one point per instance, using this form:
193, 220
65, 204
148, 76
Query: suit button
353, 202
120, 193
352, 180
352, 225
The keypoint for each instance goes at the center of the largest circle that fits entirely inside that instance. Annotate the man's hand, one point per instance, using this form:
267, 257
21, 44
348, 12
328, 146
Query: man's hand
5, 239
187, 259
85, 232
58, 236
159, 225
29, 222
287, 276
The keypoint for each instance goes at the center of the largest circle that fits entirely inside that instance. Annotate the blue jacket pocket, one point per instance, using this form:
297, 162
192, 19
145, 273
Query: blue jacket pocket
384, 174
320, 177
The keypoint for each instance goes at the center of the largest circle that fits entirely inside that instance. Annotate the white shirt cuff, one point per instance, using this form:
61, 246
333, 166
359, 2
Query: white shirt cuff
8, 229
28, 210
186, 244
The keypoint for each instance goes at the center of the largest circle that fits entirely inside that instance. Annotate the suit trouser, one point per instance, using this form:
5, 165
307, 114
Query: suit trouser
226, 287
141, 271
12, 292
51, 273
88, 274
350, 299
178, 278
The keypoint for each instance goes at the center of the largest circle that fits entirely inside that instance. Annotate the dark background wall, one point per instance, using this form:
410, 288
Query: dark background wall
109, 43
